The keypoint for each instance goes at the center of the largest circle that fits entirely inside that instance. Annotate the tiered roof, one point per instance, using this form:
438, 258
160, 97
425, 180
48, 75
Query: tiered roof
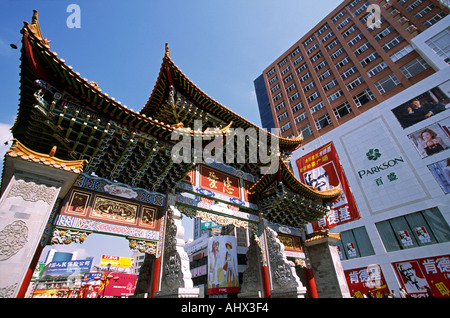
59, 107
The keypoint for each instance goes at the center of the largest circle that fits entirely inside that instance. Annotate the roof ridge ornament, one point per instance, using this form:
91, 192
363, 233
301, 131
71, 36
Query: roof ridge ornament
36, 29
167, 53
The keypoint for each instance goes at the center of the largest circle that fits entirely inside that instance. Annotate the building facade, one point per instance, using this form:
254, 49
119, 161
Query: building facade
400, 182
358, 56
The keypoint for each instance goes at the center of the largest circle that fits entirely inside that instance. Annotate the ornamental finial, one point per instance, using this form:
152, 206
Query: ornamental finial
167, 50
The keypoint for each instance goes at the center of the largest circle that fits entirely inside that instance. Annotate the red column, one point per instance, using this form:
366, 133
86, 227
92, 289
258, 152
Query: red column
155, 282
29, 273
265, 280
311, 283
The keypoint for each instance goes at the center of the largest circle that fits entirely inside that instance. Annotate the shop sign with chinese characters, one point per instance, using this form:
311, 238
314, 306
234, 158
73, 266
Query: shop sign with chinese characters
217, 181
419, 275
381, 170
322, 169
370, 279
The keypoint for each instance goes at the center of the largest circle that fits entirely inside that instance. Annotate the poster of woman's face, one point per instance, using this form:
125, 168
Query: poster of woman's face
432, 139
441, 171
423, 106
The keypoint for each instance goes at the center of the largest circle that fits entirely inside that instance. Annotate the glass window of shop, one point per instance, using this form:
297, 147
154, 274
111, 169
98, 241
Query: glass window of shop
412, 230
354, 243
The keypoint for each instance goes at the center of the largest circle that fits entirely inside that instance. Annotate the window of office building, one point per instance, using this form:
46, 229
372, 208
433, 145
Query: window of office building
297, 107
305, 131
435, 19
285, 127
309, 86
342, 110
389, 45
377, 69
387, 83
413, 230
355, 243
300, 117
363, 97
369, 58
279, 106
440, 43
316, 107
355, 83
402, 52
335, 95
323, 121
415, 67
282, 116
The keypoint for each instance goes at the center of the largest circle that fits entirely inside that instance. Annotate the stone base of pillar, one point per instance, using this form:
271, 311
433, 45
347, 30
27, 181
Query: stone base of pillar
326, 264
298, 292
253, 294
179, 293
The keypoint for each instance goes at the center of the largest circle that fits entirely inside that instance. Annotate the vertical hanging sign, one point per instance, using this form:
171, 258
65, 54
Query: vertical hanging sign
223, 277
322, 169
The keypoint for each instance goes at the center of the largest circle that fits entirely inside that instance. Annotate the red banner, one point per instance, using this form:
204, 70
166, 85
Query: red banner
217, 181
367, 281
322, 169
117, 285
425, 276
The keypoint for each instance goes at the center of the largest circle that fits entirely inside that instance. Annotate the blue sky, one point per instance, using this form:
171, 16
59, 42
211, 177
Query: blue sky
222, 46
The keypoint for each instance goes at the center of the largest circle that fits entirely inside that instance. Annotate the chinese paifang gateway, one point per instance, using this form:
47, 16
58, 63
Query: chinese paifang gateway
123, 159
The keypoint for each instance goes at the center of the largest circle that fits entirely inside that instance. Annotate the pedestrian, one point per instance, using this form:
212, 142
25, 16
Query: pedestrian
392, 295
430, 293
403, 293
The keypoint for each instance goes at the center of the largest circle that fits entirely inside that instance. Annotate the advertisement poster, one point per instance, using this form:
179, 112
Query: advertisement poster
120, 285
423, 106
441, 172
116, 261
223, 277
66, 268
321, 168
432, 139
420, 277
370, 279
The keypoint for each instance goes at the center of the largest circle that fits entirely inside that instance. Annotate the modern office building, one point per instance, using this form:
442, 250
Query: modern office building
358, 56
352, 64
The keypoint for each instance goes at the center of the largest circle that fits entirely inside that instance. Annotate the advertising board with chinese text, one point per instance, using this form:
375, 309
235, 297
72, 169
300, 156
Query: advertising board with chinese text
223, 276
124, 286
116, 261
419, 275
66, 268
321, 169
370, 279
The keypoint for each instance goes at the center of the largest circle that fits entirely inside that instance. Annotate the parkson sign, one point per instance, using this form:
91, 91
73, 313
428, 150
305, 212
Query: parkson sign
374, 154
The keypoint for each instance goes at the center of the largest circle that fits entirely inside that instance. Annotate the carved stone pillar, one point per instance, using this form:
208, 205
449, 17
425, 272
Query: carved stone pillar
326, 265
176, 279
251, 281
284, 280
32, 183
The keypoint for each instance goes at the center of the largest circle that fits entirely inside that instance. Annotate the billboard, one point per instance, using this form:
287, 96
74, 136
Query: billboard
367, 280
423, 106
223, 277
66, 268
116, 261
322, 169
120, 285
425, 275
